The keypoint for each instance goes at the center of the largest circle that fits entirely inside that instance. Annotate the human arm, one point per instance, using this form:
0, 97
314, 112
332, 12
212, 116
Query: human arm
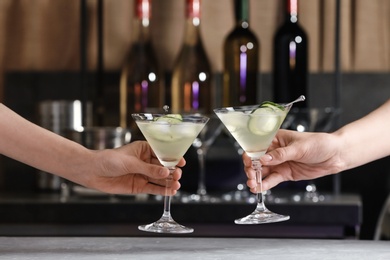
295, 156
130, 169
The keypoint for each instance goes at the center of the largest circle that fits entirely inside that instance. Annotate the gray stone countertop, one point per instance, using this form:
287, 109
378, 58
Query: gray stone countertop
190, 248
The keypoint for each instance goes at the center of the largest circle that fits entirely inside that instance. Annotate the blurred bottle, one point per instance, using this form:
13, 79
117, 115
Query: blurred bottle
141, 86
191, 76
290, 58
241, 60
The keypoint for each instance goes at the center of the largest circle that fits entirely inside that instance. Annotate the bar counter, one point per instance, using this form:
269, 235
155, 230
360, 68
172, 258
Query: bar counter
190, 248
49, 215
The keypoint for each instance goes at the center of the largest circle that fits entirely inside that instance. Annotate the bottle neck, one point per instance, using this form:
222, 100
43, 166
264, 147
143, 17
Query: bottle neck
292, 11
241, 13
142, 16
192, 35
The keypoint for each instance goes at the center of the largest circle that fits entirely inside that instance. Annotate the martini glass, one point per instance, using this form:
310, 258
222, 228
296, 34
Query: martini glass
254, 129
170, 136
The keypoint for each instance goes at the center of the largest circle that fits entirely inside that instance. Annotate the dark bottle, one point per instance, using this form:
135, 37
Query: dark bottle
241, 60
290, 58
141, 86
191, 76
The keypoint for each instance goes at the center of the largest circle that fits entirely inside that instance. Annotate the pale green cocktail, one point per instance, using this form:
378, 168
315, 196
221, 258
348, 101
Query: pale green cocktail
253, 131
170, 136
169, 141
254, 128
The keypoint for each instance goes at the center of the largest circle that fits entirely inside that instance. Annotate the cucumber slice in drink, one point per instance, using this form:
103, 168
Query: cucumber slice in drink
162, 128
171, 118
264, 121
266, 118
272, 105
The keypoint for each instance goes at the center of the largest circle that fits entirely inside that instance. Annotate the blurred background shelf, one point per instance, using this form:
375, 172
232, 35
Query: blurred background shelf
48, 215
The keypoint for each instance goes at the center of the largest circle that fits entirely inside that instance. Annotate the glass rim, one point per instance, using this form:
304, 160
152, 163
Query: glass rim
287, 106
236, 108
247, 109
194, 117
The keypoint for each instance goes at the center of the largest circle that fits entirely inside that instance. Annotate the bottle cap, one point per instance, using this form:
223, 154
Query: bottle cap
193, 9
143, 9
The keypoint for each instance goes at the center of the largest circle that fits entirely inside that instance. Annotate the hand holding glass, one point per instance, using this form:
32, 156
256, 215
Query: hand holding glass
254, 128
170, 136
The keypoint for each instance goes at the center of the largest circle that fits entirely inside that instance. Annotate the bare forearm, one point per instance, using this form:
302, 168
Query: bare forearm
366, 139
38, 147
130, 169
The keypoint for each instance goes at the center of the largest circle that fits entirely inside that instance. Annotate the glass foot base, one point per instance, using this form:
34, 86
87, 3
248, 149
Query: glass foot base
166, 227
261, 217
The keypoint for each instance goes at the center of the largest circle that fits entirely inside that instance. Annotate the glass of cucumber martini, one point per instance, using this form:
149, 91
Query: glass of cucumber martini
170, 136
254, 128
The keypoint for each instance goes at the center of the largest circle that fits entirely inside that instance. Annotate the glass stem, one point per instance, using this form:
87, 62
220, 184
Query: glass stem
240, 151
167, 198
260, 198
202, 172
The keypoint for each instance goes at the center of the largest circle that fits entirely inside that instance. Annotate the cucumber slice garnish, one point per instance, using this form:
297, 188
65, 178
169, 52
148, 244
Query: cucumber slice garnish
275, 106
170, 118
266, 118
162, 129
264, 121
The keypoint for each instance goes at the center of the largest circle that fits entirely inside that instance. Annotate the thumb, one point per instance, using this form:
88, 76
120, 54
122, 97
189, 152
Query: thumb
151, 170
279, 155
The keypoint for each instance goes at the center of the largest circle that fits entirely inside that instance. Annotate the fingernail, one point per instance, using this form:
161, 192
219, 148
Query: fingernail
266, 158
